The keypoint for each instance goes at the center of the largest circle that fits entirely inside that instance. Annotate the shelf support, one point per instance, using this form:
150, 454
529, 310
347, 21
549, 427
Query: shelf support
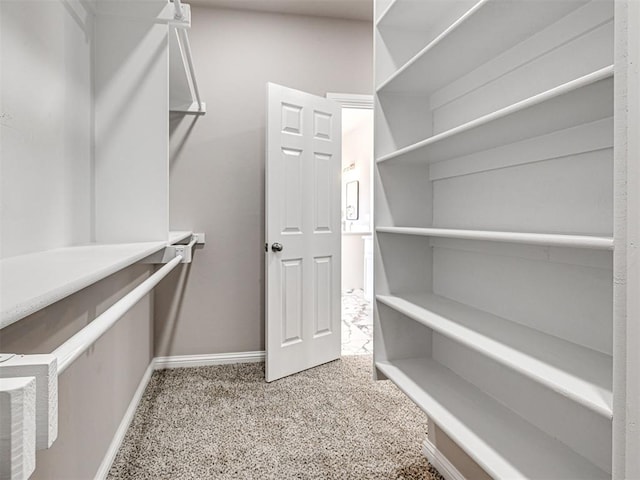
172, 251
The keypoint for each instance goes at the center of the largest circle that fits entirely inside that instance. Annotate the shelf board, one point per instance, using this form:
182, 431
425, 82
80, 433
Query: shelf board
546, 239
433, 66
34, 281
178, 236
501, 442
417, 16
576, 372
583, 100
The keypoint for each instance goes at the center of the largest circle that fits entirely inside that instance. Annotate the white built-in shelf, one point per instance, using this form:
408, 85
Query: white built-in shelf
31, 282
178, 236
415, 16
576, 372
583, 100
433, 66
182, 97
500, 441
546, 239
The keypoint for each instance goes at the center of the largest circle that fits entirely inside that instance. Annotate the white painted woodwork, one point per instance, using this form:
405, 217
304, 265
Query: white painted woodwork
45, 126
494, 231
581, 374
303, 190
131, 89
578, 241
589, 97
500, 441
61, 272
44, 369
626, 326
431, 68
17, 428
180, 89
79, 343
440, 461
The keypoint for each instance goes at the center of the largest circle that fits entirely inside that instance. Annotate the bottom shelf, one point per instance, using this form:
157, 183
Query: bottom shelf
500, 441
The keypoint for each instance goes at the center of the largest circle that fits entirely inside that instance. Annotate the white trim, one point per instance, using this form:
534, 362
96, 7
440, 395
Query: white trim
179, 361
442, 463
117, 439
159, 363
352, 100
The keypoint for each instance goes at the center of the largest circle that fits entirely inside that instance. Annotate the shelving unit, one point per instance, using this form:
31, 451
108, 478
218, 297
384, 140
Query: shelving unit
500, 441
494, 228
100, 201
589, 98
579, 373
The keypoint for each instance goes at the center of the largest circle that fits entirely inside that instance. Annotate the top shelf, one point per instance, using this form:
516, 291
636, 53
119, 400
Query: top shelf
34, 281
434, 66
586, 99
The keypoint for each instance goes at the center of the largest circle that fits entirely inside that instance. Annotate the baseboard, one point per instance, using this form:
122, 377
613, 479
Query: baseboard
442, 463
159, 363
179, 361
116, 442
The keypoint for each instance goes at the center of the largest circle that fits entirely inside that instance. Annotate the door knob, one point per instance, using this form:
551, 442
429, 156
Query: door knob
277, 247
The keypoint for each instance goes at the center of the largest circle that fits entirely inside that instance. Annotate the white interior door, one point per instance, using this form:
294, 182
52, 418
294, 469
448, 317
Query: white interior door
303, 188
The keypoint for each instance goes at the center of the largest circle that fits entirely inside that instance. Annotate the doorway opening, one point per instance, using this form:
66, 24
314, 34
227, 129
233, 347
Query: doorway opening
357, 223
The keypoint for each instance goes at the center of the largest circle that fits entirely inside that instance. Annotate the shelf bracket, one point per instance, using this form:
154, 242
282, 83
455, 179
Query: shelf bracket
172, 251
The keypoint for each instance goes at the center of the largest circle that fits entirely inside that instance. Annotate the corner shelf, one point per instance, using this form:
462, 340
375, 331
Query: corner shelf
576, 372
586, 99
42, 278
545, 239
501, 442
433, 66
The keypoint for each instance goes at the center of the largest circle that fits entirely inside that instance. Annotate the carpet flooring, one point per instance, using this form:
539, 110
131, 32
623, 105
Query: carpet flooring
225, 422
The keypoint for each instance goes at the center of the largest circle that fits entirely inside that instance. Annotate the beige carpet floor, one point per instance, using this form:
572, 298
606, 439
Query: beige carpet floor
225, 422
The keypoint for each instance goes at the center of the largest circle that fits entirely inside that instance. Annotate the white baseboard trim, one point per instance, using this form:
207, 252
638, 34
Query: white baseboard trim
179, 361
116, 442
442, 463
159, 363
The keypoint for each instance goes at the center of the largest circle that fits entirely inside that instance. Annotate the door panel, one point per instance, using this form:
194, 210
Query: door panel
303, 188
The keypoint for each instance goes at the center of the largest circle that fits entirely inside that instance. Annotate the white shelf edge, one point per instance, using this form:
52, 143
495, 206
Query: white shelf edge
566, 384
546, 239
192, 109
591, 78
178, 236
416, 58
118, 257
455, 394
385, 13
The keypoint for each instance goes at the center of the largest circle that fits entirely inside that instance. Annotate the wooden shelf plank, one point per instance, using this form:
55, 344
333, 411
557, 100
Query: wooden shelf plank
547, 239
33, 281
576, 372
501, 442
583, 100
178, 236
433, 67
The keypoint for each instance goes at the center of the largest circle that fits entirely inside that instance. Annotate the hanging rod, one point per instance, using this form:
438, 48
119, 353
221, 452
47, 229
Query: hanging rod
81, 341
186, 47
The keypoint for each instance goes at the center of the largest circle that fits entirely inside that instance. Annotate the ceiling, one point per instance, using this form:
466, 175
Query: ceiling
347, 9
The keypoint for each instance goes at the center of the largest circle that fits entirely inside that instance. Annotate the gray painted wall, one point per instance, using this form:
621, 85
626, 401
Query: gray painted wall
216, 304
95, 391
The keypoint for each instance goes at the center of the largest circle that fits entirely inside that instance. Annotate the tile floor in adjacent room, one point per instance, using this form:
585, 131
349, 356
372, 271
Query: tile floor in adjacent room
357, 323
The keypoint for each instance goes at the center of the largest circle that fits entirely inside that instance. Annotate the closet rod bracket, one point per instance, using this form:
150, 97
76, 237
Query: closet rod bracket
172, 251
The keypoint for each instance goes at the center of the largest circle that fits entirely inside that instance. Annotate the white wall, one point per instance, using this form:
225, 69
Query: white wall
45, 125
217, 164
